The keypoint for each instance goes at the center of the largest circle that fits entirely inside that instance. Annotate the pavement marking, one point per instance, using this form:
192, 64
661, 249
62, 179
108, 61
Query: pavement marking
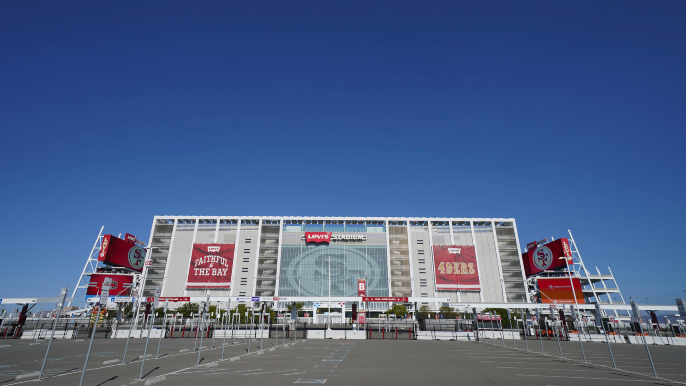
602, 379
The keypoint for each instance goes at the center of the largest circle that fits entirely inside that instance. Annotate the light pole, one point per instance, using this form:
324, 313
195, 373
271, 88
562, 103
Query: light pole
571, 283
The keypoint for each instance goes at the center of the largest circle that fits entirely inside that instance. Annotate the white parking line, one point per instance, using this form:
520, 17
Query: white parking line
602, 379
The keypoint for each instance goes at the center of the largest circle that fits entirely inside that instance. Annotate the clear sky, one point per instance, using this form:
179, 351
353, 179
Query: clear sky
561, 115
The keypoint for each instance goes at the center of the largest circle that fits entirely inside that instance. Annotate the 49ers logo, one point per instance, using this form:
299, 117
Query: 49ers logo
136, 257
542, 258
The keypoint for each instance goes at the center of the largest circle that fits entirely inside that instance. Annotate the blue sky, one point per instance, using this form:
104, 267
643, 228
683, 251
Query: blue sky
563, 116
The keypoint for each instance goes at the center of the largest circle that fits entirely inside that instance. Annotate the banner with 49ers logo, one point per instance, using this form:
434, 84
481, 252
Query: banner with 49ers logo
119, 253
455, 267
547, 257
211, 266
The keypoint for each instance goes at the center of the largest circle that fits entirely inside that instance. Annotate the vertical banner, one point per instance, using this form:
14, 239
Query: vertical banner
105, 290
211, 266
361, 287
455, 267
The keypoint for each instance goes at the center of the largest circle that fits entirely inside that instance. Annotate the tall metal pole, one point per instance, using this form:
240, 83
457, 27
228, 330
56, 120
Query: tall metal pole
224, 319
202, 330
90, 345
540, 335
164, 328
60, 304
197, 326
571, 283
147, 339
645, 341
509, 321
524, 328
135, 304
250, 334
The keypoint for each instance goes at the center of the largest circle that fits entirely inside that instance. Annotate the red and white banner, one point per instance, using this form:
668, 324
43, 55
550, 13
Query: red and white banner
317, 237
120, 286
130, 238
384, 299
211, 266
558, 290
547, 257
455, 267
361, 287
117, 252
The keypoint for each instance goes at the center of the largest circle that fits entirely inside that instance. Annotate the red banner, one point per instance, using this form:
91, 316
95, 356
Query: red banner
546, 257
384, 299
121, 284
119, 253
130, 238
211, 266
558, 290
317, 237
361, 287
455, 267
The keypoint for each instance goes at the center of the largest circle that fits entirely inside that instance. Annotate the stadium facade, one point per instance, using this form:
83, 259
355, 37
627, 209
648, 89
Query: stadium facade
281, 257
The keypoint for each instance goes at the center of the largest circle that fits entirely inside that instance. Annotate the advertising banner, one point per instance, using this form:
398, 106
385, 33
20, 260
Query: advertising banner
119, 253
558, 290
317, 237
361, 287
211, 266
120, 286
130, 238
546, 257
455, 267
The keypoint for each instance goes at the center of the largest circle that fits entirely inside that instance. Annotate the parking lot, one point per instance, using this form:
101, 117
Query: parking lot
341, 362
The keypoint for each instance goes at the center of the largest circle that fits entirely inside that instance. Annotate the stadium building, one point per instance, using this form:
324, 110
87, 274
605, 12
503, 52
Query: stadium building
472, 260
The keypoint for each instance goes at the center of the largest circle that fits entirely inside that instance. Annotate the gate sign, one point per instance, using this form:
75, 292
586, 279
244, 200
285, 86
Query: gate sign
361, 287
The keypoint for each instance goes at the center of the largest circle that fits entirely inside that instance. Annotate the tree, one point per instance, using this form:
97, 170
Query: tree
159, 312
187, 309
447, 312
398, 310
423, 312
241, 309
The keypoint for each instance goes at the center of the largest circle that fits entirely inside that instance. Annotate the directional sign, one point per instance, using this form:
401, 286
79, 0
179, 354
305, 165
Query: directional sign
383, 299
105, 290
158, 292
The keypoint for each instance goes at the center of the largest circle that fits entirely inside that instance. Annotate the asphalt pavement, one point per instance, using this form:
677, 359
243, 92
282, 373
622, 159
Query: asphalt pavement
341, 362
